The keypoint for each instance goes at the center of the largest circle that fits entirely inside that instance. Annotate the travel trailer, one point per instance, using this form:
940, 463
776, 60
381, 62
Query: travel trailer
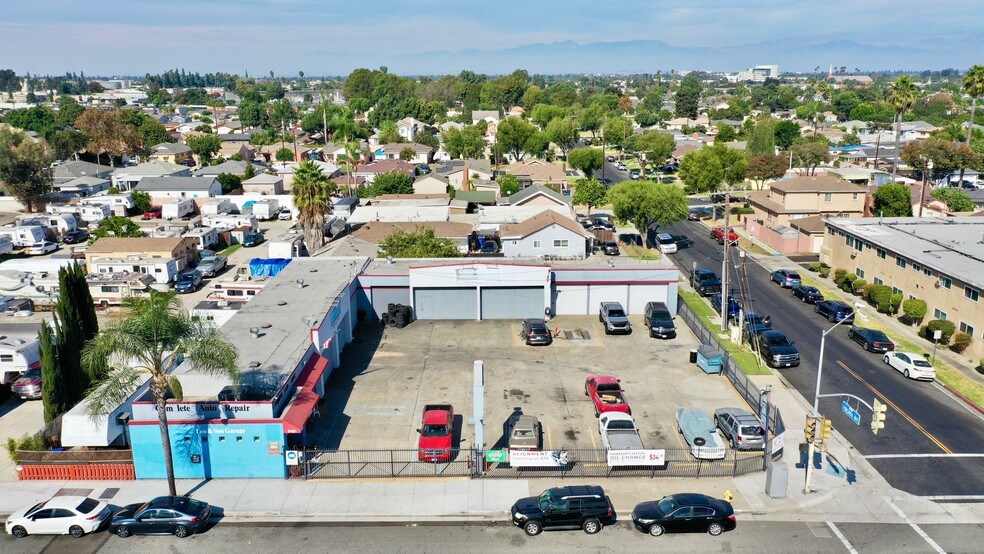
111, 289
178, 208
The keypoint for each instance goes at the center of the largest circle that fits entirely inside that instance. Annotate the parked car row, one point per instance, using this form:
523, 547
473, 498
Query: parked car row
79, 516
588, 508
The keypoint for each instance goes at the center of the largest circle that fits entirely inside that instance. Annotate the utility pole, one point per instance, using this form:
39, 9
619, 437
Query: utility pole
724, 264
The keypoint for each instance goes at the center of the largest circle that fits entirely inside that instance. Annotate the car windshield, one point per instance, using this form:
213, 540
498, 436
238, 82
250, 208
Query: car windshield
919, 362
186, 277
543, 500
538, 329
779, 341
666, 505
615, 312
437, 430
523, 433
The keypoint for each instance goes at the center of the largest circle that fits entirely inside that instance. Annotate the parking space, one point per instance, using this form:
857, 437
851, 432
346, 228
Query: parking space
374, 400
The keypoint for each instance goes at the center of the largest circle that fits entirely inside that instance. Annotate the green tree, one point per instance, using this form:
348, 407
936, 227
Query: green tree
421, 243
67, 144
810, 155
901, 96
956, 200
648, 205
52, 385
204, 146
115, 226
512, 136
973, 86
284, 155
701, 171
653, 148
893, 200
467, 142
762, 138
726, 133
39, 119
390, 182
765, 167
68, 111
141, 200
508, 185
407, 154
543, 114
388, 133
591, 118
786, 133
108, 134
252, 114
617, 130
687, 97
589, 192
153, 335
311, 190
586, 159
25, 167
75, 323
229, 182
844, 103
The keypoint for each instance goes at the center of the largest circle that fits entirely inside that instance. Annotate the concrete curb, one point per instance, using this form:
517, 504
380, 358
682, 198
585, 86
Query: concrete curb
960, 396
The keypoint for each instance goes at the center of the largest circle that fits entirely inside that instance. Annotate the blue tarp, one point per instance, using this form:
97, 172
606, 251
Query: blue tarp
267, 267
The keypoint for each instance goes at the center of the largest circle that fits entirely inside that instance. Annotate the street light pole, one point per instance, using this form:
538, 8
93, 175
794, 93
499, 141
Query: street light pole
816, 405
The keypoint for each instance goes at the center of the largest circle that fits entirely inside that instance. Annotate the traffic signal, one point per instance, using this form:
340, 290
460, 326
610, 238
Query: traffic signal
811, 428
826, 426
878, 416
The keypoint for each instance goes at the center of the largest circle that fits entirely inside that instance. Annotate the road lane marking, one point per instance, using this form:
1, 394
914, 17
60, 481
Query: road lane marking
956, 498
958, 455
896, 408
915, 527
843, 539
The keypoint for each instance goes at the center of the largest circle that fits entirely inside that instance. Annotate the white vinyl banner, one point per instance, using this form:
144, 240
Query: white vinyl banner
636, 457
537, 458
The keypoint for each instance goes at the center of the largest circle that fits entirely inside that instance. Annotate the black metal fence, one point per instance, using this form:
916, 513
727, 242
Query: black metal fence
677, 462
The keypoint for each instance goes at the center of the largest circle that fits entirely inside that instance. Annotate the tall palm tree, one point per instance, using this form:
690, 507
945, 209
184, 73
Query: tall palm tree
973, 85
154, 335
311, 189
901, 95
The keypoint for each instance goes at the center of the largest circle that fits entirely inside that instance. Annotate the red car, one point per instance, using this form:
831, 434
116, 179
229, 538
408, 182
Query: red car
718, 234
436, 433
28, 385
153, 213
606, 393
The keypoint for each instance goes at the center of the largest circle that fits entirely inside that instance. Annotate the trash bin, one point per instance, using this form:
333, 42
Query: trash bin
693, 356
710, 359
776, 477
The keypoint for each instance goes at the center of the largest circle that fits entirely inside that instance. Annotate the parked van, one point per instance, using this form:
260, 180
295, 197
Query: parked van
659, 321
666, 243
177, 209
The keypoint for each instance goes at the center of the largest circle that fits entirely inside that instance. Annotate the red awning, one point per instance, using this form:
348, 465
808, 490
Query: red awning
297, 414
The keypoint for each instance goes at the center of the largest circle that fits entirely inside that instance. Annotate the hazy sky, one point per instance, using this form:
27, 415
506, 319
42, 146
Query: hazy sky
335, 36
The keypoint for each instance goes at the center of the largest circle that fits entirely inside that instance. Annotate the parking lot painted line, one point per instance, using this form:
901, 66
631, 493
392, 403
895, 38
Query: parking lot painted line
957, 455
847, 544
901, 412
915, 527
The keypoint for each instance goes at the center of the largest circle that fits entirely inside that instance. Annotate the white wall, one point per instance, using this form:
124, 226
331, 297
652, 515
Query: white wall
526, 247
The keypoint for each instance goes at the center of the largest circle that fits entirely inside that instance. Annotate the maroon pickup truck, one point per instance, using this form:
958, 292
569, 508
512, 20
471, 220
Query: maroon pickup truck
436, 433
606, 393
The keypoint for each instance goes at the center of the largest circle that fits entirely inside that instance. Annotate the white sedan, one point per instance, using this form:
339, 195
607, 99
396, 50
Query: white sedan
41, 248
910, 364
62, 515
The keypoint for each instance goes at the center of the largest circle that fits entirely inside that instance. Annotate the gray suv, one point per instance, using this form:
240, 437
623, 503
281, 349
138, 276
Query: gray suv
613, 317
743, 430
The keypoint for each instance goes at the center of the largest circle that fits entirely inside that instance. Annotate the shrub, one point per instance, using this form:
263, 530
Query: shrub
839, 275
896, 301
914, 309
866, 290
26, 442
880, 294
961, 341
884, 307
824, 271
858, 285
814, 267
980, 367
946, 328
742, 211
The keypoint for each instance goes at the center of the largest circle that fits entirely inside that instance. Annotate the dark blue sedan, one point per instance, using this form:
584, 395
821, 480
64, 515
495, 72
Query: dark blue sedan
809, 295
165, 515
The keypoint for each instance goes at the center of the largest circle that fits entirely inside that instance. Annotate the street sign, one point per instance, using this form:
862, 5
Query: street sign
851, 412
495, 456
778, 442
292, 457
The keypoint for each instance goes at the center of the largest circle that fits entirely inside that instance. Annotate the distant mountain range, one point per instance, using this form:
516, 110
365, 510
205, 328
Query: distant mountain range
648, 56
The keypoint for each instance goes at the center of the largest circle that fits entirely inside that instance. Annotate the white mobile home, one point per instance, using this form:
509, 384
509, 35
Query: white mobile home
177, 209
217, 207
231, 221
18, 355
23, 236
205, 237
119, 203
113, 289
266, 209
59, 223
162, 270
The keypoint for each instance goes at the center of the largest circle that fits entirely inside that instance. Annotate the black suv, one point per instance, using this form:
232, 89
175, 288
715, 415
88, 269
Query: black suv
705, 282
535, 332
659, 320
578, 507
777, 350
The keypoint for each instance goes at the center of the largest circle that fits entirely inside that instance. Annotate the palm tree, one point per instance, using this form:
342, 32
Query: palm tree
310, 190
973, 85
154, 335
901, 95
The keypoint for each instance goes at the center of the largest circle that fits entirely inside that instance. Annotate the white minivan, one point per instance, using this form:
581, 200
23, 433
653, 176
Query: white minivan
666, 243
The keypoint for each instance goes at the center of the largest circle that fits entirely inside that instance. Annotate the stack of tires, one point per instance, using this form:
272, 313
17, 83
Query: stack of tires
398, 315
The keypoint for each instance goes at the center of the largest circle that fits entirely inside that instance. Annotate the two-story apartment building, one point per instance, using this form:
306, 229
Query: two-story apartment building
171, 152
940, 261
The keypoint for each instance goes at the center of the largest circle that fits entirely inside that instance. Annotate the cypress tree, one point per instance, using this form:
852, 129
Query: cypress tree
76, 324
52, 384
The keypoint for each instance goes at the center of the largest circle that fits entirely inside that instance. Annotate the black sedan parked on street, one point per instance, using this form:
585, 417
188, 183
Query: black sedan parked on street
684, 513
165, 515
872, 340
809, 295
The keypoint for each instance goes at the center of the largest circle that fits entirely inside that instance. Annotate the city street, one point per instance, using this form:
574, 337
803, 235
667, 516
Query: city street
926, 430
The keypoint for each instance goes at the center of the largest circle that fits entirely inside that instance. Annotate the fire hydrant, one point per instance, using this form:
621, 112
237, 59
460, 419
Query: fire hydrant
727, 496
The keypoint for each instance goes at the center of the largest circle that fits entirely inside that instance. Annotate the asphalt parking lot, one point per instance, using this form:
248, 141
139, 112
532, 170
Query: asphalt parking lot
374, 399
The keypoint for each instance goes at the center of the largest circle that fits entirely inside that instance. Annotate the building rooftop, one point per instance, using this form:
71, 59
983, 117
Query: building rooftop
826, 183
953, 246
540, 221
112, 245
284, 313
150, 184
155, 168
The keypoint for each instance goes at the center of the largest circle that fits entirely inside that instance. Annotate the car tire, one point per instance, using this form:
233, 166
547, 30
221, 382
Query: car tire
906, 373
591, 526
123, 531
656, 530
533, 528
18, 532
76, 531
816, 308
181, 531
734, 445
715, 529
832, 318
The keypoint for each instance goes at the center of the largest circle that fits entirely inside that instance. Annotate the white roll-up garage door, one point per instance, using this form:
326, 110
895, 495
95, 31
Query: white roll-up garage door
445, 303
512, 302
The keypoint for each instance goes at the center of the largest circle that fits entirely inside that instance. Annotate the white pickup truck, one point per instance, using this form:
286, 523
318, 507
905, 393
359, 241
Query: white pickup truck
619, 432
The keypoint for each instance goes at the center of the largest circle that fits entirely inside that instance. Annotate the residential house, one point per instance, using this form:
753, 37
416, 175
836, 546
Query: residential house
234, 167
408, 128
490, 116
432, 183
229, 127
180, 187
539, 195
82, 187
182, 249
127, 178
369, 171
71, 170
547, 234
861, 176
374, 232
229, 149
171, 152
456, 171
422, 154
938, 260
286, 171
398, 213
264, 183
537, 172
